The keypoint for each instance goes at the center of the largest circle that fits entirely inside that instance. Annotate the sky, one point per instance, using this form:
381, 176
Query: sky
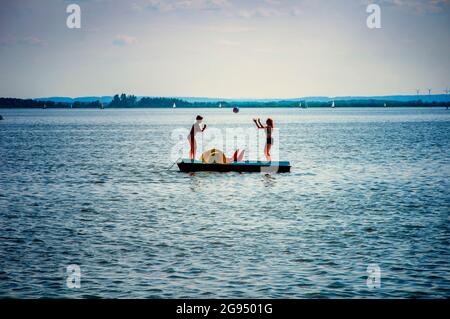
223, 48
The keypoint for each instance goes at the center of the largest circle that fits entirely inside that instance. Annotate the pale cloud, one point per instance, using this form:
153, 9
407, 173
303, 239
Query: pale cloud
156, 5
27, 41
229, 8
270, 12
419, 6
35, 41
180, 5
273, 8
261, 12
124, 40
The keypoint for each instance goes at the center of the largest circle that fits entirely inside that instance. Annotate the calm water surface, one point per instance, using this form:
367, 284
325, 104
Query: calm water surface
92, 188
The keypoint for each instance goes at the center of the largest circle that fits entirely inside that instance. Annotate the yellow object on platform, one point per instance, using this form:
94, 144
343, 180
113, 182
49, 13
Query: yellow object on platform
214, 156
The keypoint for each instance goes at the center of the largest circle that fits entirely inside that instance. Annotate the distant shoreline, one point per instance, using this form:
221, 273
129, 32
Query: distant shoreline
131, 101
214, 108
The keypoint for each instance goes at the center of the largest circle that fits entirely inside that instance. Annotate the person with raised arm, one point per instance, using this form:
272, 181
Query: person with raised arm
269, 139
191, 137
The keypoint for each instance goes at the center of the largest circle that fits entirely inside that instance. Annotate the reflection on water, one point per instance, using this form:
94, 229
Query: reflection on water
269, 180
92, 188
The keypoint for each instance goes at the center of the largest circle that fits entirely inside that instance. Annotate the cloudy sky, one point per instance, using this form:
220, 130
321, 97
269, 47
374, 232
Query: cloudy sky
223, 48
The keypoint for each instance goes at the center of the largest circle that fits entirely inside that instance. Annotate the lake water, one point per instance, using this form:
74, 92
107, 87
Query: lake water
92, 188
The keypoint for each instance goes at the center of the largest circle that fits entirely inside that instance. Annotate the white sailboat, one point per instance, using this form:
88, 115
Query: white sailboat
174, 105
385, 105
220, 105
333, 105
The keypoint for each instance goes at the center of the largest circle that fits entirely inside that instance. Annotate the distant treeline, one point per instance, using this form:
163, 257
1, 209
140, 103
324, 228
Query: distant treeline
131, 101
29, 103
158, 102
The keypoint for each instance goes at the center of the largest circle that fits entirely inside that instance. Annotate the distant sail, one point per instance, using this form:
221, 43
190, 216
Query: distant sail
174, 105
333, 105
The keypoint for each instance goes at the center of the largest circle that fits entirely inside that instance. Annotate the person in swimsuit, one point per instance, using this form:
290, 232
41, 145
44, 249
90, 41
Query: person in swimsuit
269, 139
191, 137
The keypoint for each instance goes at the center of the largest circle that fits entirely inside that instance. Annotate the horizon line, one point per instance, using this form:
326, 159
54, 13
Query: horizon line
236, 98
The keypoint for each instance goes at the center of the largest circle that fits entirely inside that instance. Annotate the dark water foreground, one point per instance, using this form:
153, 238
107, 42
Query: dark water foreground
91, 188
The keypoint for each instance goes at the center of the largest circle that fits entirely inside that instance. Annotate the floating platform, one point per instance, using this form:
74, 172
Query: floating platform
188, 166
